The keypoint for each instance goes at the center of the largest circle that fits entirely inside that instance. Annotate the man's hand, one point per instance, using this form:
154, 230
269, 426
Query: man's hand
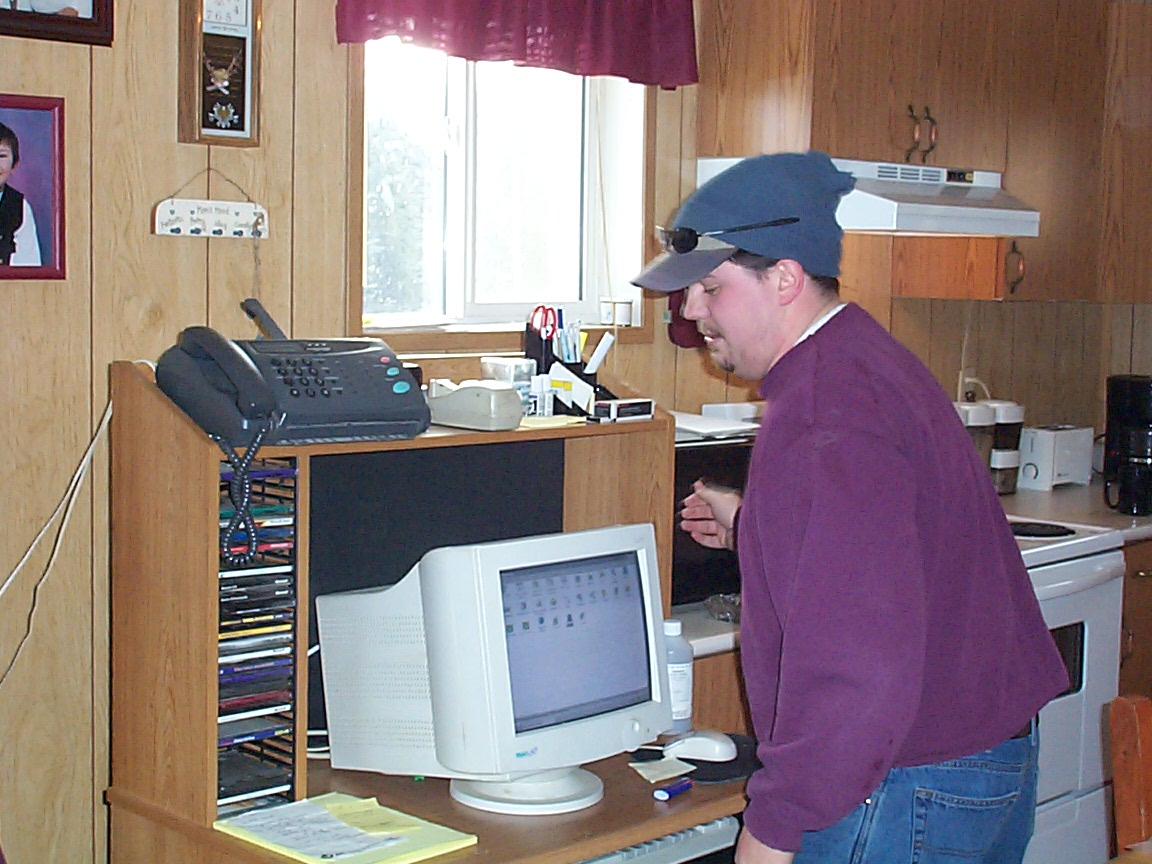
708, 514
749, 850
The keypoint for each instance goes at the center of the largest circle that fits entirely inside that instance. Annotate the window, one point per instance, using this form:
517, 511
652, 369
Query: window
490, 188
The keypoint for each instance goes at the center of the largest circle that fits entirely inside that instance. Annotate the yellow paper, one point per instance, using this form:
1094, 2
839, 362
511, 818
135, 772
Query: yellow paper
552, 422
339, 826
369, 816
661, 769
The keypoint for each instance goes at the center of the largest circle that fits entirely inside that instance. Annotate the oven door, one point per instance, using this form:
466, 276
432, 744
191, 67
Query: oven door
1080, 601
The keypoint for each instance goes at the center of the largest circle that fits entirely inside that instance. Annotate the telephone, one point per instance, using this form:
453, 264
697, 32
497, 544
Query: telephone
309, 391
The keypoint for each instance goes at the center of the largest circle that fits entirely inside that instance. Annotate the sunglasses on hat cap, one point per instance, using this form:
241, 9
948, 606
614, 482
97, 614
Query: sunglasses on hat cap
684, 240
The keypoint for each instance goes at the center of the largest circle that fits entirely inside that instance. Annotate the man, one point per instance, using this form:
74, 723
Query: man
893, 651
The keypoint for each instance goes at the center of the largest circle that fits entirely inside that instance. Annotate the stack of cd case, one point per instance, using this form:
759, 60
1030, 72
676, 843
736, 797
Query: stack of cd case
257, 643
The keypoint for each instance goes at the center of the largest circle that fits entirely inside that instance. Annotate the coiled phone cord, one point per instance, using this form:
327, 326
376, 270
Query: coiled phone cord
240, 493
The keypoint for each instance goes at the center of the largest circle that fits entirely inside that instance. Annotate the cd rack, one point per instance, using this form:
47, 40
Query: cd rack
257, 643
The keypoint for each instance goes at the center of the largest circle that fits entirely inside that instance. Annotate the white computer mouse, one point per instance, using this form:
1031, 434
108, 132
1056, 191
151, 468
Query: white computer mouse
704, 745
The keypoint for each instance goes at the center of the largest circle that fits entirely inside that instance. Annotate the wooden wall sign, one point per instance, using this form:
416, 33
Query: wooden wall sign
219, 65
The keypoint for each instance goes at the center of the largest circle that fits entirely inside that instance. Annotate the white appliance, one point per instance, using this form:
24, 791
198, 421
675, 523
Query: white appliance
896, 198
1076, 571
1054, 455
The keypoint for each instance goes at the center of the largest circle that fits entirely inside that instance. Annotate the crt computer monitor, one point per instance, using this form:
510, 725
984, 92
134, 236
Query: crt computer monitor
504, 666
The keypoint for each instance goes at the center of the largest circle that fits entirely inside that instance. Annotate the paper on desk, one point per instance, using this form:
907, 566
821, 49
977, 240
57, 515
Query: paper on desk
306, 828
662, 769
1143, 846
551, 422
367, 815
697, 425
344, 828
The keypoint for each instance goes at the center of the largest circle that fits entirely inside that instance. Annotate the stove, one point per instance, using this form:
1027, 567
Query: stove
1076, 572
1050, 542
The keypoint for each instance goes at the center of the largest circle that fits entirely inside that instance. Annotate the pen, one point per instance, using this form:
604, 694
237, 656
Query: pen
672, 789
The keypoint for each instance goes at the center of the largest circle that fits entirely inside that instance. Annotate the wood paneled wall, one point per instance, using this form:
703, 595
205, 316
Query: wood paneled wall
129, 293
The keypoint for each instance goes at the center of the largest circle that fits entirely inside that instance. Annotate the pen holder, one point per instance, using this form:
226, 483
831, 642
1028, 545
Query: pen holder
559, 407
600, 390
577, 369
538, 349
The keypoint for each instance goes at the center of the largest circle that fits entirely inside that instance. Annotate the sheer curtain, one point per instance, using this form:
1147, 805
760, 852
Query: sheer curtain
646, 41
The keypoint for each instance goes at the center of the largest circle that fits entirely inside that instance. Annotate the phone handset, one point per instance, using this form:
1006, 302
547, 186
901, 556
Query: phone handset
216, 384
230, 371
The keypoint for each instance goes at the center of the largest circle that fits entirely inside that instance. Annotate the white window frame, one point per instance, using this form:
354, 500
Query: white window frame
614, 161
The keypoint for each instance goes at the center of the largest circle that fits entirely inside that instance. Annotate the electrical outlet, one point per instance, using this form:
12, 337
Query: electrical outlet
194, 217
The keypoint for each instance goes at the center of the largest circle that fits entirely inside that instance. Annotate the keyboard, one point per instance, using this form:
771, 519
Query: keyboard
677, 847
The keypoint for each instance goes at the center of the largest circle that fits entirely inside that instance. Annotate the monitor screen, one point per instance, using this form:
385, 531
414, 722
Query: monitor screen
564, 617
504, 666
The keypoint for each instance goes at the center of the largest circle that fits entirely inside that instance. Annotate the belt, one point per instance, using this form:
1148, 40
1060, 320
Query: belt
1027, 730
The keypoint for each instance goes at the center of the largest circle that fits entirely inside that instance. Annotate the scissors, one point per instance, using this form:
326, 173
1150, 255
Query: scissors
544, 321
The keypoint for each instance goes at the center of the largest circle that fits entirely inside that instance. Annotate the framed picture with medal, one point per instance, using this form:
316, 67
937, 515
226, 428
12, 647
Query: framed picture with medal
219, 72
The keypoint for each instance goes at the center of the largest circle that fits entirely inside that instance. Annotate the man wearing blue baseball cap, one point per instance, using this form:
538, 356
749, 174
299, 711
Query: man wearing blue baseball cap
893, 650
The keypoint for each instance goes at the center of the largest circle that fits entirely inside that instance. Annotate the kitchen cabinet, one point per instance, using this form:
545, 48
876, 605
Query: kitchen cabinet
875, 268
1017, 88
1126, 247
867, 63
883, 68
1055, 123
1136, 621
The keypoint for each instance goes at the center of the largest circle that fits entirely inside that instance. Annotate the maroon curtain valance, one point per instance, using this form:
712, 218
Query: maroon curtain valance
646, 41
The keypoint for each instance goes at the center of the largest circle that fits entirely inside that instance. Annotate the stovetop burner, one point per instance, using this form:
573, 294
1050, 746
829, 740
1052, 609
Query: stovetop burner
1049, 542
1041, 529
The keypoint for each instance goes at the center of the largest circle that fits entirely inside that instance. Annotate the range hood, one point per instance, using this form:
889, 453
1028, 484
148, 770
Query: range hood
892, 198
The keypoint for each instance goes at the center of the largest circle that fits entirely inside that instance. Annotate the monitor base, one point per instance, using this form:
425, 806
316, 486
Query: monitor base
560, 791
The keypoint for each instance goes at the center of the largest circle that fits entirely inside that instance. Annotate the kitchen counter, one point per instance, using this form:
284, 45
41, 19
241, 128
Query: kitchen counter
1083, 505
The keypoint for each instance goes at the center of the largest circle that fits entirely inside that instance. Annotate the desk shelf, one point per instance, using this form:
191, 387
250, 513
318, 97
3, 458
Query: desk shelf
166, 597
256, 688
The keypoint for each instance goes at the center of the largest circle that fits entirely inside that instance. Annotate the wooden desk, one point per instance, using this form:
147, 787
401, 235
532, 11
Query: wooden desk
165, 599
627, 815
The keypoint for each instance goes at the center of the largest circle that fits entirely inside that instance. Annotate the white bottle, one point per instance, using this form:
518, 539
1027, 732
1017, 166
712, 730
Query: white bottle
679, 675
541, 396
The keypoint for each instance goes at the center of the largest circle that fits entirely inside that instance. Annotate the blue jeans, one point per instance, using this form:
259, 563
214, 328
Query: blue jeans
977, 810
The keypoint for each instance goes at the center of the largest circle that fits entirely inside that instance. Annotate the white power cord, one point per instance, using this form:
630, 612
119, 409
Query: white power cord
66, 505
964, 386
966, 379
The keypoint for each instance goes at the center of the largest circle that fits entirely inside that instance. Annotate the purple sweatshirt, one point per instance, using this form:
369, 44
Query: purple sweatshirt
888, 619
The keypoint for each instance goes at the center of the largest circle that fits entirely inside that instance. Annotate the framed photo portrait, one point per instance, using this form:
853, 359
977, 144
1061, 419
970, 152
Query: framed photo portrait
88, 21
31, 187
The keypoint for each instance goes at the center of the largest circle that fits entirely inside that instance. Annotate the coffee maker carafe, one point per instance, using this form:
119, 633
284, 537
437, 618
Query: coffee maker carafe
1129, 405
1133, 482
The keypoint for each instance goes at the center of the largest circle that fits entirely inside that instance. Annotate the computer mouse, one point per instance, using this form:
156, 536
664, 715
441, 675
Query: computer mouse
704, 745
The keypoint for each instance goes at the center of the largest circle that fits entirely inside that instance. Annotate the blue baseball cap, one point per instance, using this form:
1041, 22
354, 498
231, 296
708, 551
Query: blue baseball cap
779, 205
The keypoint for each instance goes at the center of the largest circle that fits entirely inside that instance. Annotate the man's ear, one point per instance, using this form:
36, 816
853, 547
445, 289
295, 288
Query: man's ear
790, 282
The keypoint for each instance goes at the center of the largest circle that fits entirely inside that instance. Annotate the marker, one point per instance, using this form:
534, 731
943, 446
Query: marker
672, 789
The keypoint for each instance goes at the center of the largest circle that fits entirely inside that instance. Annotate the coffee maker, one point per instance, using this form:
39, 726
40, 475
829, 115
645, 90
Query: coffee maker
1129, 403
